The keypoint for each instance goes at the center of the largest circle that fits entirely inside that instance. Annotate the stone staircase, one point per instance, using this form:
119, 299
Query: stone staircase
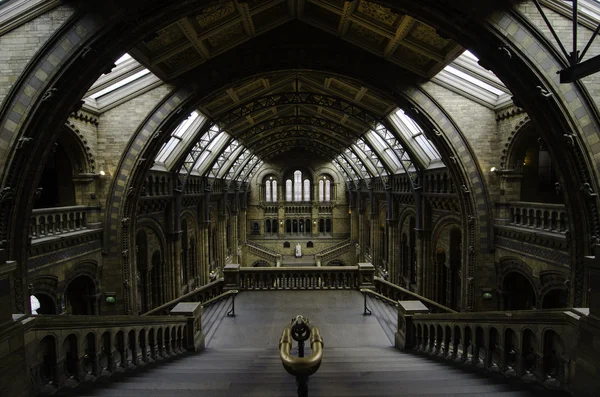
241, 358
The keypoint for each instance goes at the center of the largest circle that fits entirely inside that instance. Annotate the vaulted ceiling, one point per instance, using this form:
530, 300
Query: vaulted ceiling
332, 115
390, 34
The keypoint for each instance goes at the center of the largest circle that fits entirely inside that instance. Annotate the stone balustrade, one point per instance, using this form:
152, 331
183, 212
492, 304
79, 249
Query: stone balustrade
298, 208
200, 294
269, 255
397, 293
540, 216
64, 351
338, 249
535, 345
47, 222
298, 278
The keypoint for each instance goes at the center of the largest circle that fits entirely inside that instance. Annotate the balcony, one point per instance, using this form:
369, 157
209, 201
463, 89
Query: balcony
48, 222
550, 218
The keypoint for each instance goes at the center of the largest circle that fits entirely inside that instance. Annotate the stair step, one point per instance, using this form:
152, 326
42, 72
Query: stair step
242, 357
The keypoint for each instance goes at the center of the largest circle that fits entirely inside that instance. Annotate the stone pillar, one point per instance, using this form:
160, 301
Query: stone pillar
231, 276
194, 337
405, 335
423, 256
174, 251
393, 248
366, 274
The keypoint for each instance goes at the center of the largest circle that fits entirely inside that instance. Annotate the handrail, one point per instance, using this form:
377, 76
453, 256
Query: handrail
365, 292
233, 293
300, 329
183, 298
428, 302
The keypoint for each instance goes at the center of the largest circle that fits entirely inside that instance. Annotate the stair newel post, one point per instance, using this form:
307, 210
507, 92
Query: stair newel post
406, 335
194, 337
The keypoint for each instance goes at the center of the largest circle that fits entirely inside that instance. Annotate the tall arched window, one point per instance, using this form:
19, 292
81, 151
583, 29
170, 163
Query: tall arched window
324, 189
306, 190
288, 190
271, 190
297, 186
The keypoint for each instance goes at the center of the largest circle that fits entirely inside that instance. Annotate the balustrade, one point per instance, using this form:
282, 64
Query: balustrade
298, 208
64, 351
540, 216
48, 222
397, 293
290, 278
333, 251
201, 294
523, 344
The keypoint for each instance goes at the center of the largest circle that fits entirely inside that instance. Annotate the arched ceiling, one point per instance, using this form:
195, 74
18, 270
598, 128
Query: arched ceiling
342, 119
380, 30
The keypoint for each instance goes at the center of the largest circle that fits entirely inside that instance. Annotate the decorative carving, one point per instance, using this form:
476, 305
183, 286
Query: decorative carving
50, 95
23, 142
587, 188
505, 51
543, 91
125, 221
569, 139
6, 194
130, 191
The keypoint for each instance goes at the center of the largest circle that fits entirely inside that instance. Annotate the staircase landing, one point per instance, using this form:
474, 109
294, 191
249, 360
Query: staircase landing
242, 359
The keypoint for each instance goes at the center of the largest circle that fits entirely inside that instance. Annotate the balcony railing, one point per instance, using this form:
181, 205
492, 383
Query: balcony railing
526, 344
272, 256
397, 293
329, 253
124, 342
540, 216
298, 278
46, 222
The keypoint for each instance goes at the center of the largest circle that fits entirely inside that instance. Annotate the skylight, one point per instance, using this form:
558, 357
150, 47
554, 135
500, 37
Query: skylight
473, 80
119, 84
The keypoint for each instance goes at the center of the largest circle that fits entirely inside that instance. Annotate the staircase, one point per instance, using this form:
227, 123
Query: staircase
242, 359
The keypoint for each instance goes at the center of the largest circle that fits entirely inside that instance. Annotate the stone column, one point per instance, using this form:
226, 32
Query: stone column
393, 250
423, 244
174, 251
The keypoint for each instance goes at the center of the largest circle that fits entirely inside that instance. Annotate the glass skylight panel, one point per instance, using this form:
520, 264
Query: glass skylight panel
429, 149
183, 127
124, 58
167, 149
473, 80
120, 84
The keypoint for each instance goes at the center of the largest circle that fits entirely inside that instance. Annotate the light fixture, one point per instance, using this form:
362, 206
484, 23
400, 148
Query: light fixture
102, 173
493, 169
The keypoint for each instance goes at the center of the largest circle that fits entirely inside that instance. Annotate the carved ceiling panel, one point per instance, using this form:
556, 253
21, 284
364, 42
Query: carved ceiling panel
380, 30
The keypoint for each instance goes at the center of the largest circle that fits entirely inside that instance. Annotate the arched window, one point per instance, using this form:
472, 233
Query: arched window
271, 190
321, 190
288, 190
268, 192
306, 190
324, 189
297, 186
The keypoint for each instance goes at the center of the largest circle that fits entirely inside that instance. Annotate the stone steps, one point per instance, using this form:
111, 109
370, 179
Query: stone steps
241, 358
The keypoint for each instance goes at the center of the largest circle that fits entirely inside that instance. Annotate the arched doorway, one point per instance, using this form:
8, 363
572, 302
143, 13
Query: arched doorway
47, 304
518, 293
57, 185
80, 296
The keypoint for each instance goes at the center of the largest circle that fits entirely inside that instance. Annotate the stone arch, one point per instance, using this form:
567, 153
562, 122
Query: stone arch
86, 29
510, 272
45, 289
79, 148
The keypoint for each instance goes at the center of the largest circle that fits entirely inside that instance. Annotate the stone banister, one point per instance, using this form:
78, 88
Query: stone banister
335, 250
397, 293
64, 351
265, 253
298, 278
534, 345
48, 222
539, 216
